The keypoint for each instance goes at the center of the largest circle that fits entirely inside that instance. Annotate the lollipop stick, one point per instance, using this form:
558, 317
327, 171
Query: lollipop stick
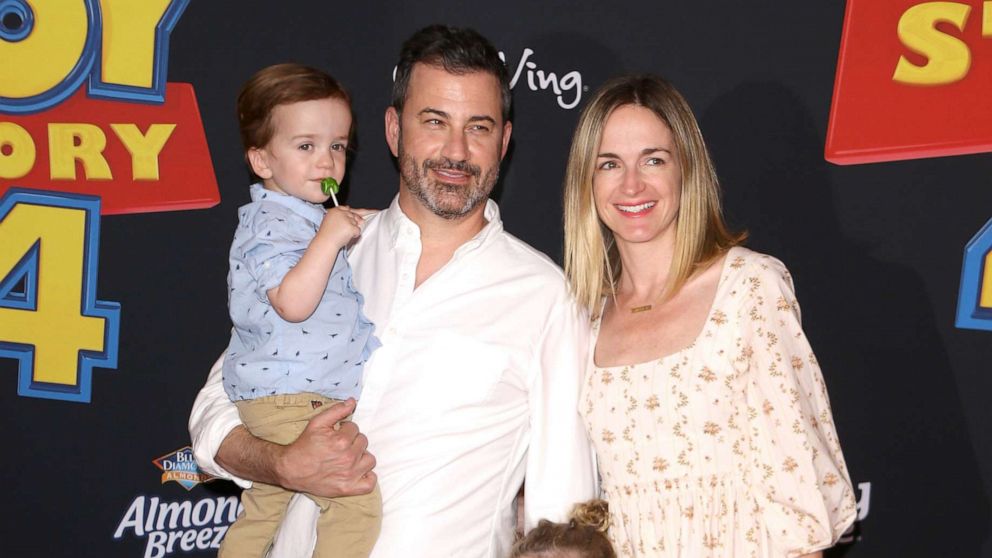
330, 187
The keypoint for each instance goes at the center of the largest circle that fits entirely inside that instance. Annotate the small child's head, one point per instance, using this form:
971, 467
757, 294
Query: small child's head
584, 536
295, 126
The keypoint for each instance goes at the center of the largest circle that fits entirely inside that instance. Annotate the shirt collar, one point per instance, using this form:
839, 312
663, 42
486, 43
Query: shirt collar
397, 223
309, 211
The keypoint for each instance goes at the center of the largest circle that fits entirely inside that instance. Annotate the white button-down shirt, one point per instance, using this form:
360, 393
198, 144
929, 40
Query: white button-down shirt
475, 388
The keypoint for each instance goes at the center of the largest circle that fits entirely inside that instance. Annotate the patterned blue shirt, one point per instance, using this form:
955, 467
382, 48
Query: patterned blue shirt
326, 352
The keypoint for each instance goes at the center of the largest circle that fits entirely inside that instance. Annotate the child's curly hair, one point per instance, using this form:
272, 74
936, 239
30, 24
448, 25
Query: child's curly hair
583, 536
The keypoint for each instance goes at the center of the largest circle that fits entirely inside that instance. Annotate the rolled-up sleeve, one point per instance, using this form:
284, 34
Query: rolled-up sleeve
560, 462
270, 244
212, 419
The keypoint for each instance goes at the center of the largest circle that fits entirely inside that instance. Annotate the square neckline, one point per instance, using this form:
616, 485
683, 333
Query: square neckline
724, 271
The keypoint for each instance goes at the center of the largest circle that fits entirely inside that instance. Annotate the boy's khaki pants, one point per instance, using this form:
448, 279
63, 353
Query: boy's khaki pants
348, 526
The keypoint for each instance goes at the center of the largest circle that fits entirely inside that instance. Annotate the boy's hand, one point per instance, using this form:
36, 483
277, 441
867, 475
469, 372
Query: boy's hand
301, 289
341, 225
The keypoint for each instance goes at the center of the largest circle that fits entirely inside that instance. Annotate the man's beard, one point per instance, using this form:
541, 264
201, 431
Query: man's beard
448, 201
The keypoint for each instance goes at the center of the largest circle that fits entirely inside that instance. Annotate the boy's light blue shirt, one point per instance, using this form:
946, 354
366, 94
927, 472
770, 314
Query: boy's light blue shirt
267, 356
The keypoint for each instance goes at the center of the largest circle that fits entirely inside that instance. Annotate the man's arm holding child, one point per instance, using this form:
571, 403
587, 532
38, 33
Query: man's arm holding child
322, 461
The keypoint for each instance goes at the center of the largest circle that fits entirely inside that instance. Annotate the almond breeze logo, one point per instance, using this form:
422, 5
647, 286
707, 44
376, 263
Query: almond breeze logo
183, 526
178, 526
180, 466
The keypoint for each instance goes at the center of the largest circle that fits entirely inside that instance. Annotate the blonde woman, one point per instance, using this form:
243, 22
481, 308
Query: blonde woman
703, 398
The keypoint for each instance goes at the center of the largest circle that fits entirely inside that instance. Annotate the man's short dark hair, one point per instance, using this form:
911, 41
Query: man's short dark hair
457, 50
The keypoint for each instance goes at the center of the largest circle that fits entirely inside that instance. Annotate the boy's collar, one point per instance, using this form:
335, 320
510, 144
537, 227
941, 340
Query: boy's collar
310, 211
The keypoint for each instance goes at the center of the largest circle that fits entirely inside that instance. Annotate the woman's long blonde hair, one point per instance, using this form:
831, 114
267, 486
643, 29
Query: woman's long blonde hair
592, 261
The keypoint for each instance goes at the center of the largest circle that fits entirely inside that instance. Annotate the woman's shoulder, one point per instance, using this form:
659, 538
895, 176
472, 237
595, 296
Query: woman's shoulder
743, 261
755, 272
756, 280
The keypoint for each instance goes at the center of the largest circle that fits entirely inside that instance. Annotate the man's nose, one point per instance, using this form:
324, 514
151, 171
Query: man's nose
456, 146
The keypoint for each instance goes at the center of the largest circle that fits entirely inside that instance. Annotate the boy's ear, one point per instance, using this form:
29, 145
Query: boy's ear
258, 159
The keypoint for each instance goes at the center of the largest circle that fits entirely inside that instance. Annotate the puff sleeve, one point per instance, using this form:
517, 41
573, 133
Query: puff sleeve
797, 471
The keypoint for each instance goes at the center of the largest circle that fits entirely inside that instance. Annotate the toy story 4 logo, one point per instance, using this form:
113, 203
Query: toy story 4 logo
934, 62
88, 126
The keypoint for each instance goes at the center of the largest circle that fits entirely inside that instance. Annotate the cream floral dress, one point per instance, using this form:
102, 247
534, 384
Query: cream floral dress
726, 448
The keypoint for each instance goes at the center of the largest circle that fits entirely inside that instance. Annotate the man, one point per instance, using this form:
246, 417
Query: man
476, 384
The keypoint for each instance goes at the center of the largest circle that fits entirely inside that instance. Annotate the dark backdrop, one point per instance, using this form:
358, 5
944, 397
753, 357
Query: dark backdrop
875, 250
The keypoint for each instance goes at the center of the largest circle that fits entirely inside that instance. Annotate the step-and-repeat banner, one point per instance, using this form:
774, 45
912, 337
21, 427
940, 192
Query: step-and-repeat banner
849, 140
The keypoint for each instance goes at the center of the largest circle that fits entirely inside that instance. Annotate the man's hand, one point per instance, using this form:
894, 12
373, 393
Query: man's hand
328, 461
322, 461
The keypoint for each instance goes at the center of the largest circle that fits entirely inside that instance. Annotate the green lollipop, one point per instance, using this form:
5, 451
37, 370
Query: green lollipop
330, 187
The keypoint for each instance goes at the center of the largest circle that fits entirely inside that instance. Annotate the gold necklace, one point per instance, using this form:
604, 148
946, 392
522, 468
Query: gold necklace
642, 307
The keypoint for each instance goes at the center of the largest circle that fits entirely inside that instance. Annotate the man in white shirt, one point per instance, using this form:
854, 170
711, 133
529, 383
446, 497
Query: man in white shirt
475, 387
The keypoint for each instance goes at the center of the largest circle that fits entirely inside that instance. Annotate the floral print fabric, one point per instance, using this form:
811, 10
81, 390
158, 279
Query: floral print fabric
726, 448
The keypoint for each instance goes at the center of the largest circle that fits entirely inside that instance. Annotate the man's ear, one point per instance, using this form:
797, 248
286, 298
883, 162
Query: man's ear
507, 129
258, 159
393, 130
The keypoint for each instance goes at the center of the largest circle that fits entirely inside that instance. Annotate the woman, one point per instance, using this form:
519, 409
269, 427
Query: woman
703, 399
